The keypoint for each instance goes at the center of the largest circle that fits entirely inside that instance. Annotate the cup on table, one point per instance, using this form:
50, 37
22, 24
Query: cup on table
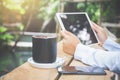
44, 48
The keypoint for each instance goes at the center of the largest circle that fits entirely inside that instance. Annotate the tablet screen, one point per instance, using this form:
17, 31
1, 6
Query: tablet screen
78, 24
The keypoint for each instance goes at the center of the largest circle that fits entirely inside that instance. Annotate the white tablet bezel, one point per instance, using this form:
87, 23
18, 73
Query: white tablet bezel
63, 27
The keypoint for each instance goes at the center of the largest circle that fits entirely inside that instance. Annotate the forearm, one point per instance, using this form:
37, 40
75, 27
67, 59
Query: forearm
111, 45
97, 57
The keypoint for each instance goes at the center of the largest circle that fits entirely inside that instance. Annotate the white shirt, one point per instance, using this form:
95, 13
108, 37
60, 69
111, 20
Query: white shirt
96, 57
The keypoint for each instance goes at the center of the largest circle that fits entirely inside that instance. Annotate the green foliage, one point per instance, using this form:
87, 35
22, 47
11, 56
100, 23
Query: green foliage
5, 37
93, 10
14, 5
109, 11
2, 29
21, 27
48, 9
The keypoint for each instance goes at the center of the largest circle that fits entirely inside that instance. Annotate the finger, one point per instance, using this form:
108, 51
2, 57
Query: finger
64, 34
95, 27
69, 33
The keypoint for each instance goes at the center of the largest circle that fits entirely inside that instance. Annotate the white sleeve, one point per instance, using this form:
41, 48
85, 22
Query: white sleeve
111, 45
98, 57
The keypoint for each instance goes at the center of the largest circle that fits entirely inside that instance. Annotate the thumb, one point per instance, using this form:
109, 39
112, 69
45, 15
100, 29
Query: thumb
64, 33
95, 27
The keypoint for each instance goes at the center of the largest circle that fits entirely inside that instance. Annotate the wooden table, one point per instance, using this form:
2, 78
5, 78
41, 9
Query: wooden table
27, 72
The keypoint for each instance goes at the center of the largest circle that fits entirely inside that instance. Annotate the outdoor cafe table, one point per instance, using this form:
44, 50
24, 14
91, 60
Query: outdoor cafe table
27, 72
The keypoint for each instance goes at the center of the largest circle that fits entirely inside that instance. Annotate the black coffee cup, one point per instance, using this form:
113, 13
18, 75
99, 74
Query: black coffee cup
44, 48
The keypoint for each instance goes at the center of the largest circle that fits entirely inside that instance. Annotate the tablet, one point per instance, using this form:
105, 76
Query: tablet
82, 70
79, 24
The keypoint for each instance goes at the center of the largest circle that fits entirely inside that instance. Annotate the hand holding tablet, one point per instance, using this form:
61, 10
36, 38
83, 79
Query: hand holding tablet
79, 24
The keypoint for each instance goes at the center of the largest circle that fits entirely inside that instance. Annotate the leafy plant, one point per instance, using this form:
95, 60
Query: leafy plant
5, 37
14, 5
109, 11
47, 11
93, 10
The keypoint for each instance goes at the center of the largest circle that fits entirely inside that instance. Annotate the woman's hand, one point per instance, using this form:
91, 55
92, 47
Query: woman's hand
70, 42
102, 36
